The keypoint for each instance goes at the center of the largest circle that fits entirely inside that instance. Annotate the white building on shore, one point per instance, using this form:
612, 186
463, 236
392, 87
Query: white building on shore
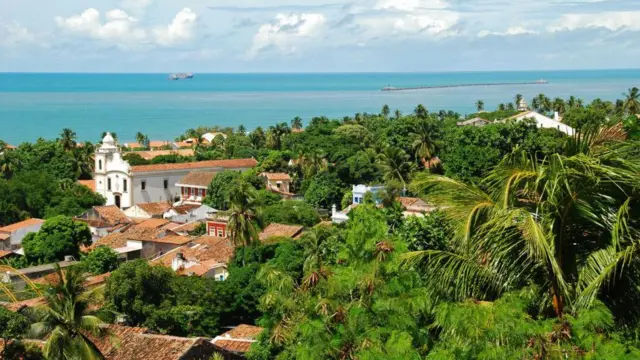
124, 185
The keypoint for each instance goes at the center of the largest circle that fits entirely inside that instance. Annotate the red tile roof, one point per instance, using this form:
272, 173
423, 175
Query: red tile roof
244, 331
183, 209
209, 249
18, 306
187, 227
276, 176
153, 223
21, 224
238, 339
155, 208
236, 163
112, 214
91, 184
280, 230
5, 253
4, 236
150, 155
170, 239
198, 178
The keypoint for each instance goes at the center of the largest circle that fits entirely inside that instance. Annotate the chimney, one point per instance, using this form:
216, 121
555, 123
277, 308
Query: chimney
556, 116
333, 210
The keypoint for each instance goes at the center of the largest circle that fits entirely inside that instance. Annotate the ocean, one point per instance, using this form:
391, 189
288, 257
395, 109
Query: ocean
36, 105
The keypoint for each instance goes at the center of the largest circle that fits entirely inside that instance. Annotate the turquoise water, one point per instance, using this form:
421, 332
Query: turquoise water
40, 105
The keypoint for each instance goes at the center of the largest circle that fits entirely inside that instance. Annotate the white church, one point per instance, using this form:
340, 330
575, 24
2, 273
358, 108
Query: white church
124, 185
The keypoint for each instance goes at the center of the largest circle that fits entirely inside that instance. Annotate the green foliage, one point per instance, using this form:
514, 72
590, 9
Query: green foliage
59, 236
291, 212
135, 159
13, 326
219, 189
267, 198
424, 233
100, 260
324, 191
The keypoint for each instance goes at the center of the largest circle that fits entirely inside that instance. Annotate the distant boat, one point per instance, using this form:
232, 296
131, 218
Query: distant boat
181, 76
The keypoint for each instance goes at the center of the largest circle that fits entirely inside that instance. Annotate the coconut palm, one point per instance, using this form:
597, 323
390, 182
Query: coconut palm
243, 215
423, 144
385, 111
397, 114
312, 162
242, 130
10, 163
559, 105
632, 101
83, 160
510, 107
480, 105
257, 138
421, 111
395, 165
68, 139
517, 100
276, 134
64, 320
561, 223
296, 123
501, 107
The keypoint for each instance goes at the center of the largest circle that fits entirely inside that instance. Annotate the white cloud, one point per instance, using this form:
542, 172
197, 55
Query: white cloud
612, 20
15, 34
123, 30
512, 31
287, 31
118, 27
181, 29
410, 5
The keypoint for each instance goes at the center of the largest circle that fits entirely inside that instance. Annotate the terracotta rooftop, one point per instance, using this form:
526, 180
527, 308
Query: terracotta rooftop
4, 236
5, 253
111, 214
183, 209
238, 339
244, 331
155, 208
276, 176
153, 223
18, 306
198, 178
170, 239
236, 163
407, 201
91, 184
134, 343
203, 249
187, 227
150, 155
280, 230
170, 225
21, 224
118, 240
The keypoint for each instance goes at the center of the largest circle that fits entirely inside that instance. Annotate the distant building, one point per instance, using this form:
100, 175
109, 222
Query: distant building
412, 206
239, 339
210, 136
544, 121
148, 210
358, 194
146, 242
206, 256
189, 213
278, 183
217, 225
124, 185
522, 105
476, 121
104, 220
193, 187
11, 235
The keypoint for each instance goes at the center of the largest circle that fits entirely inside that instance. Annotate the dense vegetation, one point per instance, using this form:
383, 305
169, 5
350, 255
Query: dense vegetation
531, 254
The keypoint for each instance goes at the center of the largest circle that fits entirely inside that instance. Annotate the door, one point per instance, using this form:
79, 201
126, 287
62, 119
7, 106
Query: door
117, 198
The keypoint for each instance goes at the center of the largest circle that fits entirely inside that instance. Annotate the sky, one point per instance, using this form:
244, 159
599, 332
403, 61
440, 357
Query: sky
317, 35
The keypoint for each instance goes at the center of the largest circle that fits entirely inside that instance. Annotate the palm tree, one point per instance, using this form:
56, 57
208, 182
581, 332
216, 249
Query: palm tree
420, 111
559, 105
243, 215
385, 111
542, 222
510, 107
242, 130
480, 105
632, 101
313, 162
501, 107
535, 104
276, 134
83, 160
141, 139
313, 268
395, 165
397, 114
68, 139
572, 102
296, 123
517, 99
423, 144
10, 163
64, 321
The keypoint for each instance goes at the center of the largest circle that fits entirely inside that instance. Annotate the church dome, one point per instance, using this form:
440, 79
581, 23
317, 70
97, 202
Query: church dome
108, 139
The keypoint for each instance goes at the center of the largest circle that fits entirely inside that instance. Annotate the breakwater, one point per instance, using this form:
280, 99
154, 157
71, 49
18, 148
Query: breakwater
391, 88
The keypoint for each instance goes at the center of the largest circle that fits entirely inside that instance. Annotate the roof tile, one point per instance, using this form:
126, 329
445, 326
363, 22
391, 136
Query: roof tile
235, 163
280, 230
21, 224
198, 178
112, 214
276, 176
155, 208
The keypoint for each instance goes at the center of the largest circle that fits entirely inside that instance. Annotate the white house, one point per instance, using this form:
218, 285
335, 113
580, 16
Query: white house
358, 193
210, 136
104, 220
545, 122
206, 256
189, 213
124, 185
11, 235
148, 210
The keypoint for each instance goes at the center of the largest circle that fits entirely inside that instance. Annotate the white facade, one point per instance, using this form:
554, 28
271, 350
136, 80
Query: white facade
359, 192
546, 122
197, 214
112, 174
17, 232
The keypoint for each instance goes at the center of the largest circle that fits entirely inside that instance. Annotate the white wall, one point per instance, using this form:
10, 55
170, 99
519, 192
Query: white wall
155, 191
547, 122
19, 234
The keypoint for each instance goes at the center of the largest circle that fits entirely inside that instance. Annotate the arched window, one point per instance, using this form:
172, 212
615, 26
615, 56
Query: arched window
99, 164
109, 184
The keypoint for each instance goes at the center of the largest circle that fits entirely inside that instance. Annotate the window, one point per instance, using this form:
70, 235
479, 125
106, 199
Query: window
144, 185
166, 184
221, 277
109, 184
99, 164
219, 232
202, 192
124, 185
